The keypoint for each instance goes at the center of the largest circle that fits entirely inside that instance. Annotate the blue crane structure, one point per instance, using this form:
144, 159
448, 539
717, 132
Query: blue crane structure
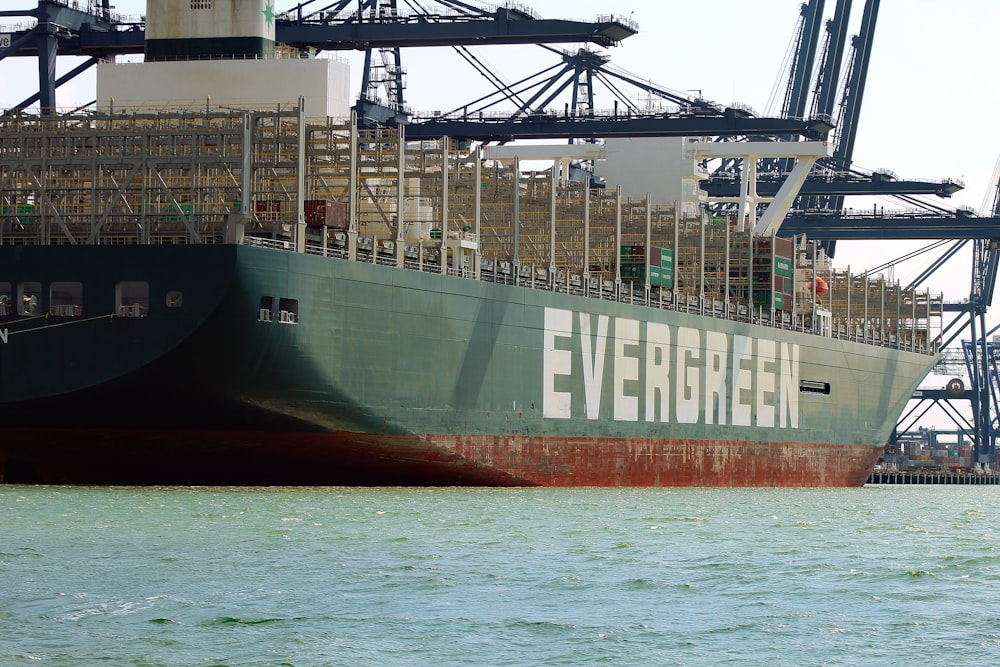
93, 31
979, 356
378, 25
833, 177
821, 200
381, 28
819, 211
381, 100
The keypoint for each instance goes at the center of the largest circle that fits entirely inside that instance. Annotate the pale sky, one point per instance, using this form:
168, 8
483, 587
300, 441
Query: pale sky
928, 113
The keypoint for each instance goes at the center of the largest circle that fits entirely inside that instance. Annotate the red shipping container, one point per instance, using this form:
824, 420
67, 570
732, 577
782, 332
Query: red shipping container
267, 206
783, 247
321, 212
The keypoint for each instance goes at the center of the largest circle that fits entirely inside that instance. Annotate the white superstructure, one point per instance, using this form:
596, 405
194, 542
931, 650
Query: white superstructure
207, 28
246, 84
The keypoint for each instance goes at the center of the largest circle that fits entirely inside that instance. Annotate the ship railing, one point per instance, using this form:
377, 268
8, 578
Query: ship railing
339, 252
503, 272
66, 310
133, 310
262, 242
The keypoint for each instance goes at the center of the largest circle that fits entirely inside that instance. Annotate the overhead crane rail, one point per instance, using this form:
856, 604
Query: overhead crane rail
84, 33
95, 32
504, 26
726, 184
876, 225
550, 124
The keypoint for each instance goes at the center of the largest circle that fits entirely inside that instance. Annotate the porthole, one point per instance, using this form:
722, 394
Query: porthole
66, 299
132, 298
288, 311
29, 299
265, 313
814, 387
6, 303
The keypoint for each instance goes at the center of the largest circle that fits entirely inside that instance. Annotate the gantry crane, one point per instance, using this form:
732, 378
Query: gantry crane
379, 25
979, 351
820, 212
821, 200
381, 29
93, 31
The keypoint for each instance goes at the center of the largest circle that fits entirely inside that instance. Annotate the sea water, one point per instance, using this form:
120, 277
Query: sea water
384, 577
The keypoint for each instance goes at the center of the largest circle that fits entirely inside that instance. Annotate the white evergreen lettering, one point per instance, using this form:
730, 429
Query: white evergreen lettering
593, 362
788, 398
688, 375
716, 367
680, 375
657, 371
626, 369
765, 382
742, 381
558, 324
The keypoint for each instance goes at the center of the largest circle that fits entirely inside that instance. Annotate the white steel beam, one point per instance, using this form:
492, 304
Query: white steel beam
544, 152
805, 154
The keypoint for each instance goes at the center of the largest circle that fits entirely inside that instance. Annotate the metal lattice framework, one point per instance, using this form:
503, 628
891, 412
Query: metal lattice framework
219, 175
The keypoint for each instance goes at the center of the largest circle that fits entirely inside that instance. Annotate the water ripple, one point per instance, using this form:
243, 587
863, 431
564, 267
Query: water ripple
370, 577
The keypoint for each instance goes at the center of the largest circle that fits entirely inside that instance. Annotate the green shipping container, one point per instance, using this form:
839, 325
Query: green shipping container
667, 259
25, 213
662, 274
783, 267
767, 298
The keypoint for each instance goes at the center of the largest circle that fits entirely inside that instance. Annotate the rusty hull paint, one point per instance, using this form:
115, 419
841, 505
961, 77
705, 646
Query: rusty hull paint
548, 461
343, 458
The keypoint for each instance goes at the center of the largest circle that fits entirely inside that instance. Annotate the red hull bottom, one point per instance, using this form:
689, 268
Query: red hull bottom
57, 456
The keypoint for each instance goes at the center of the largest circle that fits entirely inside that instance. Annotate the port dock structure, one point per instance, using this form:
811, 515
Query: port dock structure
933, 477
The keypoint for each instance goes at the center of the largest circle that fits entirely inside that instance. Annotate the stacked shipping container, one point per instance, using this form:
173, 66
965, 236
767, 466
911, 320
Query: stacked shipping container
773, 272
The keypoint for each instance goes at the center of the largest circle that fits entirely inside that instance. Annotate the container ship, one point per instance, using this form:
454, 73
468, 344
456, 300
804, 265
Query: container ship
197, 289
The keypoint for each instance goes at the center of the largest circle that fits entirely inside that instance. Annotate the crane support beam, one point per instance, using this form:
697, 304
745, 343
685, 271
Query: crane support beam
960, 307
723, 186
549, 126
833, 57
100, 39
585, 151
804, 153
772, 218
500, 28
941, 395
824, 226
66, 26
91, 44
798, 91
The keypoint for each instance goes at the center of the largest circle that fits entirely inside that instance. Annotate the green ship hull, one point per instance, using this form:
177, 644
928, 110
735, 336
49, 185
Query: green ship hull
257, 365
